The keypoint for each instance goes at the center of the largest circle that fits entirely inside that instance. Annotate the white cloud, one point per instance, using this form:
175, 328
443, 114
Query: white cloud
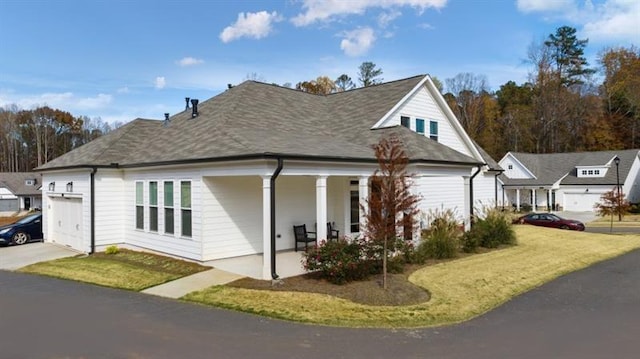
357, 42
160, 82
387, 17
611, 20
426, 26
327, 10
124, 89
254, 25
66, 101
189, 61
544, 5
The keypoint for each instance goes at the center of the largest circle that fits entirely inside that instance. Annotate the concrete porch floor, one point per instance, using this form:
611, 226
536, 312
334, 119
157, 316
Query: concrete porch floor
288, 264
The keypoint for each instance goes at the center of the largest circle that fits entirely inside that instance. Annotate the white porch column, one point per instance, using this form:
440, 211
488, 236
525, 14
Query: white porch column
321, 207
467, 202
549, 198
518, 199
266, 227
363, 194
533, 199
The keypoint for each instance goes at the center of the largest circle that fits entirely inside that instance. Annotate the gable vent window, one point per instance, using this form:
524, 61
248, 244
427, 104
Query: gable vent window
185, 208
420, 126
433, 130
153, 206
404, 121
168, 207
510, 167
139, 205
30, 182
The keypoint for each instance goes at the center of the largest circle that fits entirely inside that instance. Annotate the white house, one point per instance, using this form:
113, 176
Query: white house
230, 176
20, 191
569, 181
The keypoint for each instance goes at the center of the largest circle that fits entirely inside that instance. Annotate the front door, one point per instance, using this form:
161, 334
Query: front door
27, 203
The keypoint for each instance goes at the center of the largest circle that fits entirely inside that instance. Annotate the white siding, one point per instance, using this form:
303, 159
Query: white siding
484, 194
110, 209
174, 244
422, 105
232, 216
81, 190
632, 183
441, 193
516, 170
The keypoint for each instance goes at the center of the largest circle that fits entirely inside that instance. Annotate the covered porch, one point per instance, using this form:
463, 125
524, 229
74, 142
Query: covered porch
534, 198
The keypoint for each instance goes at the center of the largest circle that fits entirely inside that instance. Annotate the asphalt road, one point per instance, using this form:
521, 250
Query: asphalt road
594, 313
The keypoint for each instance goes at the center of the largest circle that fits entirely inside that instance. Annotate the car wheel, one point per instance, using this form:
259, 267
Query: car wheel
564, 226
20, 238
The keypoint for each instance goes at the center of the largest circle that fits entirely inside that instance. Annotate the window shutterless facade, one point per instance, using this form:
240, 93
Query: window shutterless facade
168, 207
433, 130
185, 208
404, 121
139, 205
153, 206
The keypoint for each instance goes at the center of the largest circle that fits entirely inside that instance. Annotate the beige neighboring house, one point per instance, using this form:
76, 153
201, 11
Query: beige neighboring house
20, 191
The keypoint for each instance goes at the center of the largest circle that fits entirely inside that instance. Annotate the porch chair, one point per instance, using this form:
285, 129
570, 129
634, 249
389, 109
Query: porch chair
301, 235
331, 232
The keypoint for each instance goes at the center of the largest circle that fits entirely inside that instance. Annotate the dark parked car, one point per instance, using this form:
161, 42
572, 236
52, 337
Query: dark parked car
24, 230
550, 220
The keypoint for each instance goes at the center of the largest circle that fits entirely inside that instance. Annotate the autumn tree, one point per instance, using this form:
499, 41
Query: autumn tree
322, 85
612, 203
369, 74
391, 204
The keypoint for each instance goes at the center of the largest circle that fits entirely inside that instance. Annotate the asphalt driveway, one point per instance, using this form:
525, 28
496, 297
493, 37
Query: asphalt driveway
14, 257
593, 313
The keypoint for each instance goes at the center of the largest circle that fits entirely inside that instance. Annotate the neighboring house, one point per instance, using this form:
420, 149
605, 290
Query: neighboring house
568, 181
231, 176
20, 191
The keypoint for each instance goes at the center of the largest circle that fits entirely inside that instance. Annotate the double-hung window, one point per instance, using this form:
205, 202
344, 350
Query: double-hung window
168, 207
153, 206
185, 208
139, 205
433, 130
420, 126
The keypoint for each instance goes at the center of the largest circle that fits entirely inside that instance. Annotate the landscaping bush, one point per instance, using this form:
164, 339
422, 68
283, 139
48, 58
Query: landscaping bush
491, 231
112, 250
470, 241
441, 240
339, 261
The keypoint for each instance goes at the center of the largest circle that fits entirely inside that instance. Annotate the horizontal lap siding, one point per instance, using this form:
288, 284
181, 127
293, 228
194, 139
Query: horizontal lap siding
173, 244
232, 216
110, 208
484, 193
441, 193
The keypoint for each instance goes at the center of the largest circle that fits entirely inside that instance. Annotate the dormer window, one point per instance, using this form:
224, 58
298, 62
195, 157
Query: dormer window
592, 172
404, 121
30, 182
420, 126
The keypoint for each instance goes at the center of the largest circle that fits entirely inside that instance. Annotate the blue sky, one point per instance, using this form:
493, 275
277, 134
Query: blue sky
119, 60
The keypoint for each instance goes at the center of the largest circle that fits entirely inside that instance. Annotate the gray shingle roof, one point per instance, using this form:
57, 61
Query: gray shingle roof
551, 167
16, 183
254, 119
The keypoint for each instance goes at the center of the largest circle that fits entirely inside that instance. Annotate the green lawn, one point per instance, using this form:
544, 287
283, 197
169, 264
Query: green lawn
629, 220
126, 270
460, 289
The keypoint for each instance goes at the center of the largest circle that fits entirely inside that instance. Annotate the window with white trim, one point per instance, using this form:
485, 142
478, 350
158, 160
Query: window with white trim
404, 121
153, 206
433, 130
420, 126
185, 208
168, 207
139, 205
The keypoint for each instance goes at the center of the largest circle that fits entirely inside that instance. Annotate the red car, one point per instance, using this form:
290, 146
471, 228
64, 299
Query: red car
550, 220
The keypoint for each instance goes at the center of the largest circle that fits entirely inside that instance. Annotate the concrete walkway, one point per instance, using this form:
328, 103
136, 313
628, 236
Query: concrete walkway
194, 282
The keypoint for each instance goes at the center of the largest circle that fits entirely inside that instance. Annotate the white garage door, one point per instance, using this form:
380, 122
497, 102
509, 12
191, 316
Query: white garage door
66, 222
580, 202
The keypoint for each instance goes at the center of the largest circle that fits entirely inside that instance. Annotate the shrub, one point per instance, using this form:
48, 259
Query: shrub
634, 208
339, 261
492, 230
441, 240
470, 241
112, 250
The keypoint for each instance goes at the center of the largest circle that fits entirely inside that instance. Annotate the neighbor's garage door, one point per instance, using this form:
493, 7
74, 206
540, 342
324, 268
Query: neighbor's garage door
580, 202
66, 222
9, 205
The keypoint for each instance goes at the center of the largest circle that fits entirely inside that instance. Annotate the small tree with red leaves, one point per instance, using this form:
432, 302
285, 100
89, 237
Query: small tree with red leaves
612, 203
391, 207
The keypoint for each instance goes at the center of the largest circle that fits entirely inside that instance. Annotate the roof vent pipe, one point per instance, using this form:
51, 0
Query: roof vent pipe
166, 119
186, 107
229, 86
194, 110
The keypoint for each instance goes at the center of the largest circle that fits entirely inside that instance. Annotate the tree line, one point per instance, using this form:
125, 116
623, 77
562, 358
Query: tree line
31, 138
